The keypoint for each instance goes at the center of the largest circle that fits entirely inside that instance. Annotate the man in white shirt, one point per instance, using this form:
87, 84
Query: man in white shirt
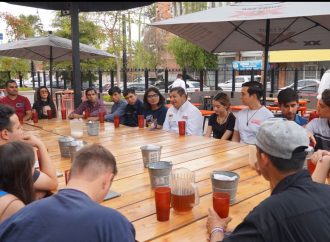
249, 120
182, 109
179, 82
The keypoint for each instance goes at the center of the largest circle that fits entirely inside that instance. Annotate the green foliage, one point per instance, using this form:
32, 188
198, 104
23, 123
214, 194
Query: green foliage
25, 89
144, 58
189, 55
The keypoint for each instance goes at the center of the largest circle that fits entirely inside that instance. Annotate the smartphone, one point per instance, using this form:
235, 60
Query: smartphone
111, 194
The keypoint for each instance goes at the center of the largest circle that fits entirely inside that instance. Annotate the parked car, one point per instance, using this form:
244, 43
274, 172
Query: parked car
193, 86
309, 90
139, 87
239, 80
151, 80
302, 83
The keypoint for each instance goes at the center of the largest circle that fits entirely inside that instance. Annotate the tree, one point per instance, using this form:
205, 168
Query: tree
20, 27
189, 55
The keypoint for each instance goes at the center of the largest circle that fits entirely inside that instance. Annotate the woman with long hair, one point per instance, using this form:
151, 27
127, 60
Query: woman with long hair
43, 103
16, 185
154, 106
222, 122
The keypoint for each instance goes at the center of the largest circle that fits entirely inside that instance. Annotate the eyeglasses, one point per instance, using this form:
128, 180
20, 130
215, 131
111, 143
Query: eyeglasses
153, 96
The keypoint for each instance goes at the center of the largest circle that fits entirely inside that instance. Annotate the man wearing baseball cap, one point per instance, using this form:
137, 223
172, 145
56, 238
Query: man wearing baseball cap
298, 209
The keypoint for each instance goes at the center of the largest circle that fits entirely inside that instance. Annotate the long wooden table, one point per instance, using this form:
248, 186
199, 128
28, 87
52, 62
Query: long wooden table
199, 154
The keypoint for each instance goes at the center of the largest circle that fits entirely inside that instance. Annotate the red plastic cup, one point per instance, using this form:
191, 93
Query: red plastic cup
101, 116
163, 201
35, 117
311, 166
63, 113
182, 127
141, 121
49, 114
87, 113
221, 203
116, 121
66, 176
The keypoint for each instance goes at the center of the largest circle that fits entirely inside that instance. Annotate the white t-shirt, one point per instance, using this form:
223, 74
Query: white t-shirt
188, 113
254, 119
179, 83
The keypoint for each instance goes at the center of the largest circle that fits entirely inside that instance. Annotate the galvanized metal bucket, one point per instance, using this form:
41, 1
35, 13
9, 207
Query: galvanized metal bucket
228, 186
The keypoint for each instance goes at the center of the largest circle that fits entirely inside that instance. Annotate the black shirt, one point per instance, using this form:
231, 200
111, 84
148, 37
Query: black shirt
297, 210
217, 129
132, 112
38, 106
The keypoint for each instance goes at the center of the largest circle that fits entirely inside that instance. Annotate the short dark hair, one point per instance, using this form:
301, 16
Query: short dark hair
10, 81
179, 90
93, 160
254, 87
286, 165
6, 112
326, 97
114, 89
223, 99
90, 89
179, 76
145, 97
16, 163
128, 91
287, 95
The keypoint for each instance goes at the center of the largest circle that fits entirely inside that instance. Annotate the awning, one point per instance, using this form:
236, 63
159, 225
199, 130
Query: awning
299, 56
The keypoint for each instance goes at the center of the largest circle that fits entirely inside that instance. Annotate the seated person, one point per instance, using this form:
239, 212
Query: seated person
16, 186
182, 109
43, 103
288, 102
118, 108
319, 127
296, 207
133, 108
74, 213
154, 108
249, 119
92, 104
44, 180
222, 122
21, 104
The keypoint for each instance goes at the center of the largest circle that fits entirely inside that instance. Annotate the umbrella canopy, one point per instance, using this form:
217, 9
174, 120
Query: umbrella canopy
75, 8
256, 26
48, 48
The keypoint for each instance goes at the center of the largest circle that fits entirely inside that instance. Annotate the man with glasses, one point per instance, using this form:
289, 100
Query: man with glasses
133, 108
92, 104
20, 103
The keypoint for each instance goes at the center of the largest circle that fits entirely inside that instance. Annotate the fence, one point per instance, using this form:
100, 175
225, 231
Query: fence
162, 78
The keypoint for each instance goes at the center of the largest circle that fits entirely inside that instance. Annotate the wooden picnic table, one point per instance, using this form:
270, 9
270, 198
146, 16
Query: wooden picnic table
199, 154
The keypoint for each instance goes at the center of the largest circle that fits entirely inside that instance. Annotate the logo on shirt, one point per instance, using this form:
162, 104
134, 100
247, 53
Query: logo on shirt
19, 105
256, 121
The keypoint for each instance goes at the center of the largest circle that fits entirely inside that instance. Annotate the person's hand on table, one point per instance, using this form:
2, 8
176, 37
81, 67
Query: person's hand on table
92, 118
33, 140
311, 138
74, 115
214, 221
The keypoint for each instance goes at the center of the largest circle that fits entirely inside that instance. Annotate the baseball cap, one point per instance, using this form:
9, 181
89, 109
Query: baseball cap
280, 137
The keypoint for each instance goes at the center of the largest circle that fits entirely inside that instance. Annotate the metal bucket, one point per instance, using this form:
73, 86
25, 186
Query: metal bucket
75, 146
64, 143
159, 173
93, 127
150, 153
228, 186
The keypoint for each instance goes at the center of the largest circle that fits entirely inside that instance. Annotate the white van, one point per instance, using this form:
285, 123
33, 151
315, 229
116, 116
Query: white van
324, 84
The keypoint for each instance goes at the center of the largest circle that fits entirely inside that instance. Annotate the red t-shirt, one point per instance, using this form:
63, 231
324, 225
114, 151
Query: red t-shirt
21, 104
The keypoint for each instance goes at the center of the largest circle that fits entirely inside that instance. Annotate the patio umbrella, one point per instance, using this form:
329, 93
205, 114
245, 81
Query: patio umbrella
49, 48
74, 8
255, 26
